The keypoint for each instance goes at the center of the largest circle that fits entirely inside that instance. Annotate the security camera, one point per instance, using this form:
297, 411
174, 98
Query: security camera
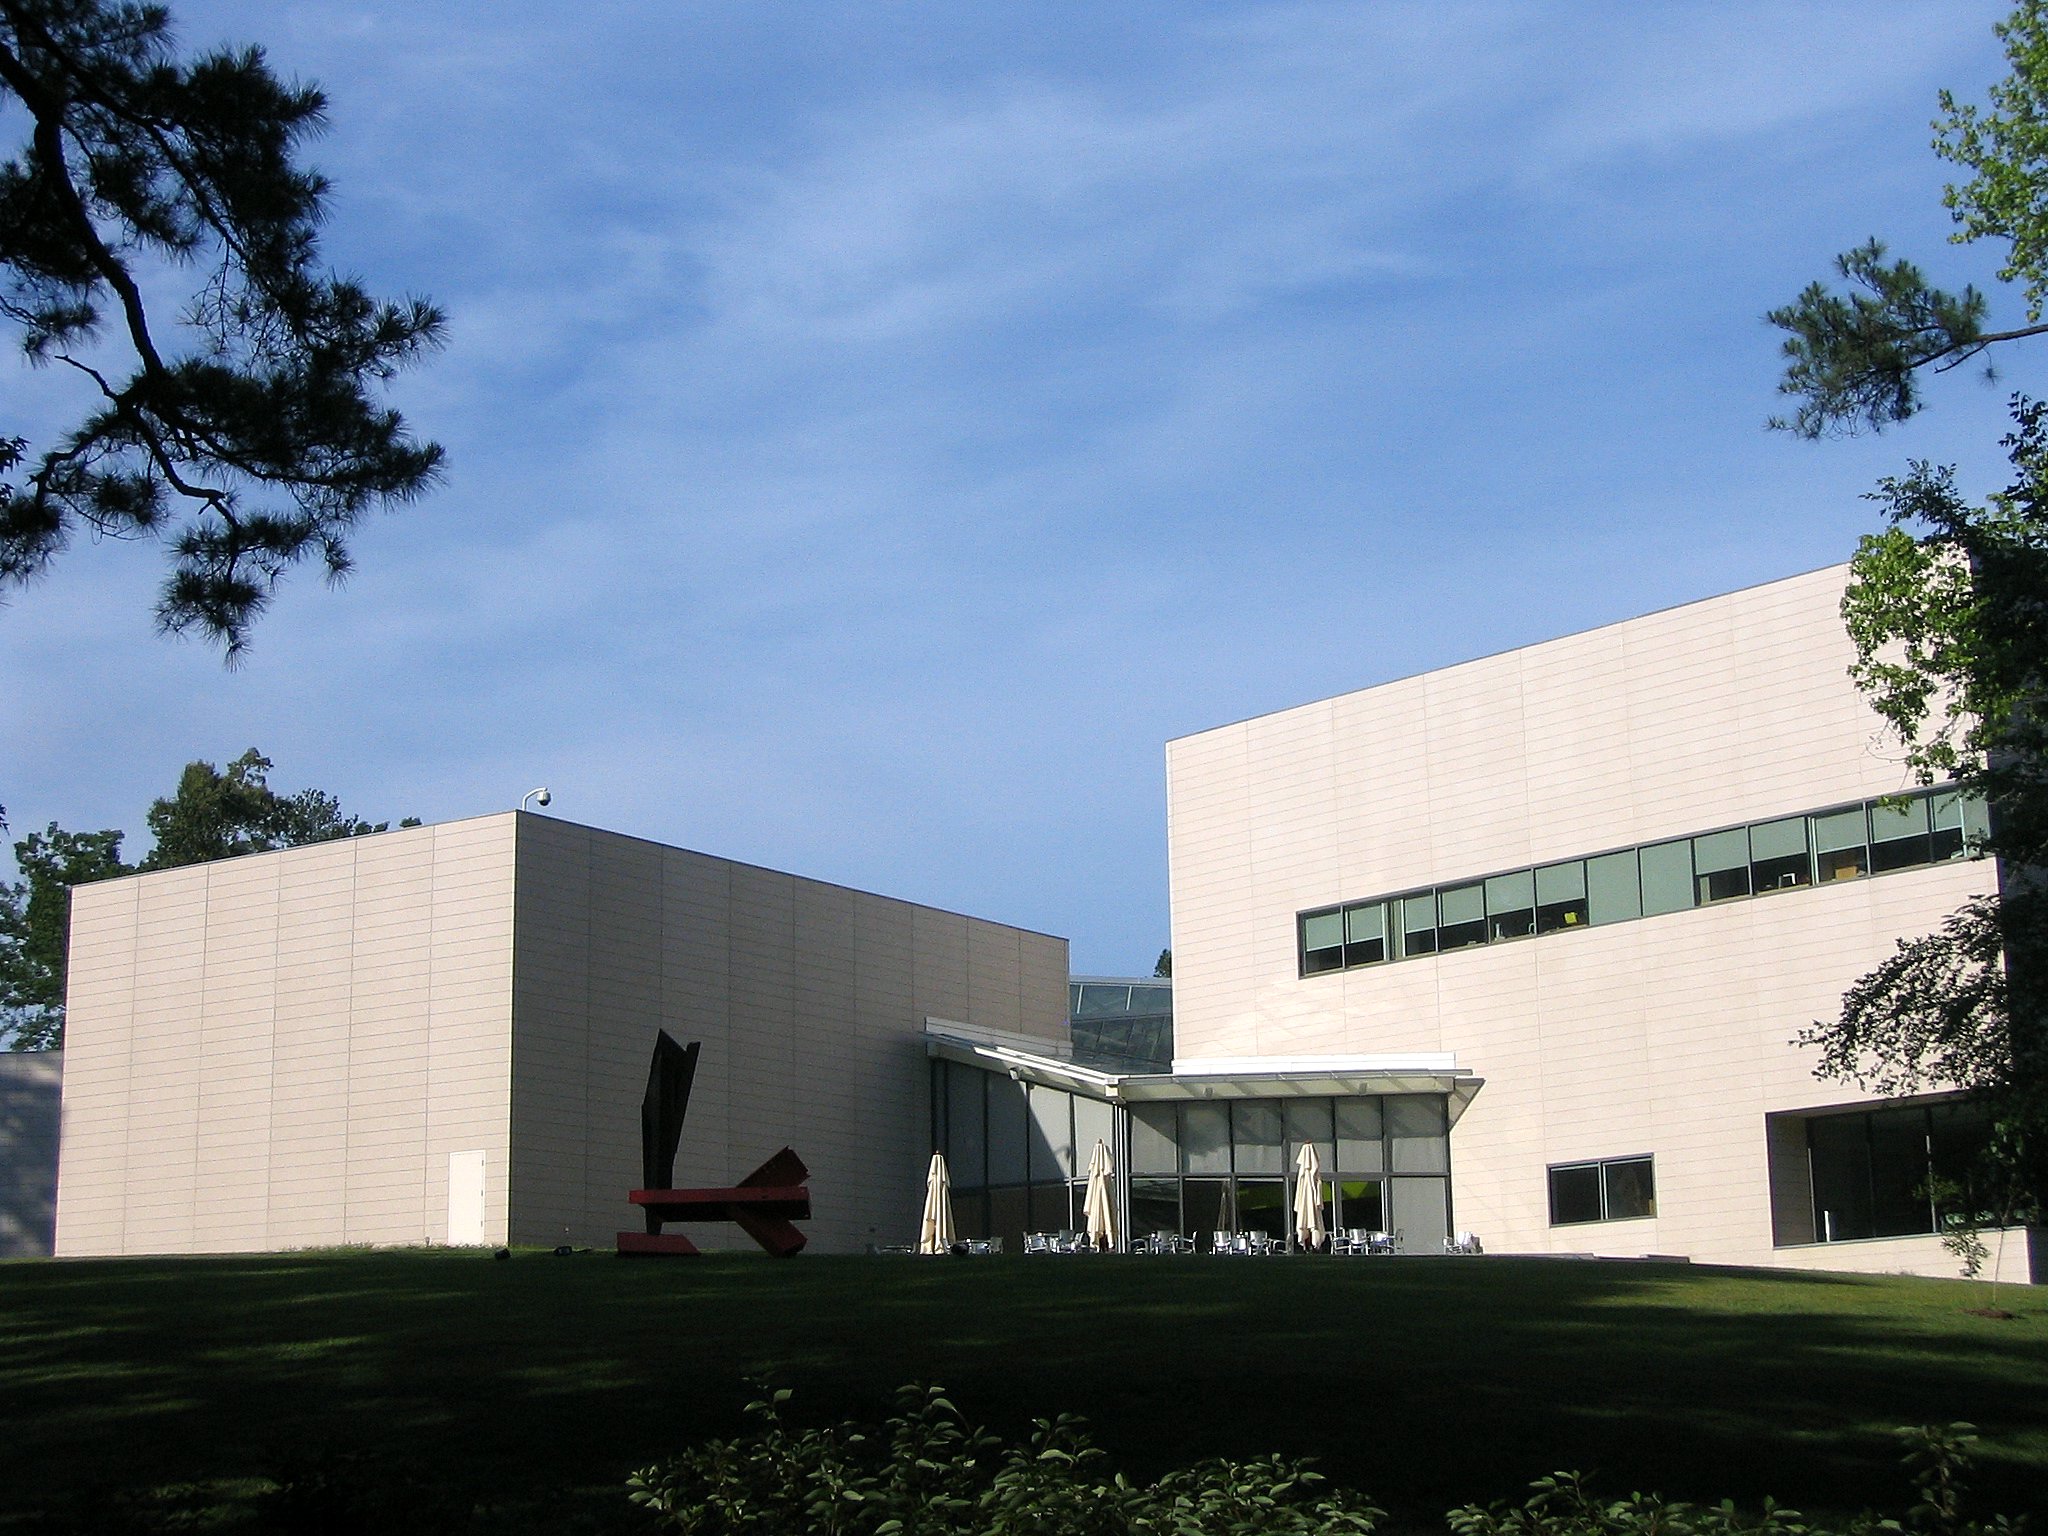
542, 798
539, 795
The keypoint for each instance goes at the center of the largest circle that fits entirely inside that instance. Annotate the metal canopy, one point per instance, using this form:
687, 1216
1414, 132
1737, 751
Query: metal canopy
1290, 1077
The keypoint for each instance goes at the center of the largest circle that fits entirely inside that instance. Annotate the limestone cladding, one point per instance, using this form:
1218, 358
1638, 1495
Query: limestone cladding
441, 1034
1669, 1035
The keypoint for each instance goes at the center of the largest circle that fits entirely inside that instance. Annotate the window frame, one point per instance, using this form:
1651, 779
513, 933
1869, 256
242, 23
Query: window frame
1599, 1167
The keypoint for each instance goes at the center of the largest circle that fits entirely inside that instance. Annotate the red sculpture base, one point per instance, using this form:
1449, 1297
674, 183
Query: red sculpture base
761, 1206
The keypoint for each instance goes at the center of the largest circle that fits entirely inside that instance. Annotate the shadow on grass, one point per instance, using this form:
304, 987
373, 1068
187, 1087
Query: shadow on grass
1426, 1383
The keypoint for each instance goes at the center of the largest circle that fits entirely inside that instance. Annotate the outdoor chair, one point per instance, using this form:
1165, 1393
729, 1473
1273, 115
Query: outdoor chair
1463, 1242
1037, 1242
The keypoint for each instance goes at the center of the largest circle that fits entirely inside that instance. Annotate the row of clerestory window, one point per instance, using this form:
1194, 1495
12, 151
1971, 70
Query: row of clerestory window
1846, 843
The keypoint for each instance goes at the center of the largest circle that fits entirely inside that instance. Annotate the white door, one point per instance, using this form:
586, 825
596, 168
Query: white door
465, 1199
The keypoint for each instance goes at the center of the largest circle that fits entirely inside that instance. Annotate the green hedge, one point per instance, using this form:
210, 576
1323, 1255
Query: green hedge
927, 1472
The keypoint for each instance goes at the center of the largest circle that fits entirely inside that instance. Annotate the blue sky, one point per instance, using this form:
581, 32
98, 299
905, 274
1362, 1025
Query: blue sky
875, 431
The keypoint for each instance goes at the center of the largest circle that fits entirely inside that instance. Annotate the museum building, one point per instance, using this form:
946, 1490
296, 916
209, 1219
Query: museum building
1519, 947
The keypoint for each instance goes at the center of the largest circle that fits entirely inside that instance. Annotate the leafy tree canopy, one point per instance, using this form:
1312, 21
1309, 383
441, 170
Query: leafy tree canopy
1948, 611
34, 928
1854, 359
244, 434
213, 814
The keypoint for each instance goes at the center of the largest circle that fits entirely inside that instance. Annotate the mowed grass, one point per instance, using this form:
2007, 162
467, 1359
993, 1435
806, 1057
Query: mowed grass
538, 1383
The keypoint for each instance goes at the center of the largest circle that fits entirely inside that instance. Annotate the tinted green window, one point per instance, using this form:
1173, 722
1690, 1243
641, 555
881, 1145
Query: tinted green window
1961, 823
1360, 1148
1308, 1123
1417, 1128
1667, 877
1418, 923
1008, 1132
1322, 942
1365, 934
1899, 836
1614, 892
1778, 858
1840, 845
1511, 905
1097, 1000
1461, 916
1152, 1139
1256, 1128
1205, 1138
1720, 863
1560, 896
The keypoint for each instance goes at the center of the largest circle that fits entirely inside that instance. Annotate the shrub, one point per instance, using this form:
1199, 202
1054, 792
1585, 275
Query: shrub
928, 1473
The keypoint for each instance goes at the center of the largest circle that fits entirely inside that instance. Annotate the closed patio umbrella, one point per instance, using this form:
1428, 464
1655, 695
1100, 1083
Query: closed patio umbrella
935, 1232
1308, 1198
1100, 1218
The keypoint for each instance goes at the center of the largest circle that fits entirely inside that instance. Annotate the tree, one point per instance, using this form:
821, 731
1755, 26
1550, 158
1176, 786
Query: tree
1163, 966
245, 437
1948, 612
217, 815
35, 915
1855, 360
212, 815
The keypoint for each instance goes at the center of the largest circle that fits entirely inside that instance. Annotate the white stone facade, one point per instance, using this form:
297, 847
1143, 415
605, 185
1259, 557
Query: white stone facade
325, 1045
1667, 1036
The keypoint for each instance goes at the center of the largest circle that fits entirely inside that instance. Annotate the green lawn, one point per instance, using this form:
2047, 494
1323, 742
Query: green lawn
1425, 1382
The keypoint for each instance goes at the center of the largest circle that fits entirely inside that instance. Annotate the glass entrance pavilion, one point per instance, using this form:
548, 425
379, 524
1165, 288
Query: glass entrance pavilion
1208, 1147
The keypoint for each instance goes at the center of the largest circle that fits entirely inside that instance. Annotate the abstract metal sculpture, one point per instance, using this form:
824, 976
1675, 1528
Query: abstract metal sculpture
669, 1078
761, 1205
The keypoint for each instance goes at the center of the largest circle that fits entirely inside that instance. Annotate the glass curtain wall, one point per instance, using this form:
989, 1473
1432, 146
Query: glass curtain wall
1017, 1152
1208, 1167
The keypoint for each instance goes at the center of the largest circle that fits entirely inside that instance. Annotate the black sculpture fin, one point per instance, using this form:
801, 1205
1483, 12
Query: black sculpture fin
669, 1077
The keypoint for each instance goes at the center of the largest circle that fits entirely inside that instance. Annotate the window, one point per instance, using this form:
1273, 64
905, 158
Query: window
1667, 877
1676, 875
1560, 896
1899, 835
1511, 905
1778, 859
1418, 924
1614, 1189
1839, 836
1205, 1138
1204, 1166
1461, 916
1256, 1131
1720, 862
1614, 888
1365, 934
1892, 1172
1152, 1139
1417, 1132
1322, 942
